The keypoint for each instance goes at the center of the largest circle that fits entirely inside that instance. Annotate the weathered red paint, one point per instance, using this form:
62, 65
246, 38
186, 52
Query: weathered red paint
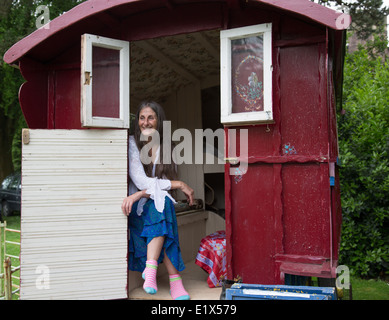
288, 197
33, 93
282, 216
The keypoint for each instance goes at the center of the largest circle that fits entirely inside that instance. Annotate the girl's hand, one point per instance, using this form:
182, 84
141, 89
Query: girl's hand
127, 204
189, 192
130, 200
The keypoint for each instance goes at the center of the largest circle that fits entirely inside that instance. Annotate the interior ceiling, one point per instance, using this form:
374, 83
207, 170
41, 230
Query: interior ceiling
160, 66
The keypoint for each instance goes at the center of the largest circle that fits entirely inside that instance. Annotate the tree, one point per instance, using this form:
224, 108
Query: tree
364, 141
17, 20
11, 24
364, 148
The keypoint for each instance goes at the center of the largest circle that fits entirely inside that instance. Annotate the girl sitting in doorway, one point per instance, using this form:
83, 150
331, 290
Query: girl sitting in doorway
150, 207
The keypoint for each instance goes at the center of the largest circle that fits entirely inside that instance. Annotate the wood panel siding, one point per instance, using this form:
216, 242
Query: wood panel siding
74, 234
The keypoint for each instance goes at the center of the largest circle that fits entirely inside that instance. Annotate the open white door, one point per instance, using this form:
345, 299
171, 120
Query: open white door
73, 233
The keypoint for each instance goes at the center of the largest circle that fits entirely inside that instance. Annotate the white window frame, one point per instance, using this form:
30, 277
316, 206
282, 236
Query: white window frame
226, 36
87, 119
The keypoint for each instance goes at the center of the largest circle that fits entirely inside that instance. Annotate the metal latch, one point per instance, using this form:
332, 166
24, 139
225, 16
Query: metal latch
232, 160
88, 78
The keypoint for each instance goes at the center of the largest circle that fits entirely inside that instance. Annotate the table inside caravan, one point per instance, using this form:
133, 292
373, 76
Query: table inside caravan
211, 257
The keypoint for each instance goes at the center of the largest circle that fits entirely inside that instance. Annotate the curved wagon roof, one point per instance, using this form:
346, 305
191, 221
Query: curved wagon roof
93, 15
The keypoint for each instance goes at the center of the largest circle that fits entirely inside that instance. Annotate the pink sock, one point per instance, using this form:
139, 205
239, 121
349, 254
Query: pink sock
177, 290
150, 276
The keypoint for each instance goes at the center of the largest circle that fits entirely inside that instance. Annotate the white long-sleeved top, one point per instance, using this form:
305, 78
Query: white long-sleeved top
156, 188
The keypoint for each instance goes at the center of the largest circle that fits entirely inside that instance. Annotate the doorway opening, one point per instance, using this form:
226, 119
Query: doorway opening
182, 73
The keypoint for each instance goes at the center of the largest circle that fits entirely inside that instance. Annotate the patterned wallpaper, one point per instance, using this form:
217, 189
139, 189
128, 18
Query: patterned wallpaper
154, 79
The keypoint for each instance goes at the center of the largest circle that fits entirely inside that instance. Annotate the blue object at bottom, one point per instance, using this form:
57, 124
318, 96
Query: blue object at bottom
241, 291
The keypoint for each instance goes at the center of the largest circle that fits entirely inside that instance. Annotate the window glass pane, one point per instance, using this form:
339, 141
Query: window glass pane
247, 74
105, 82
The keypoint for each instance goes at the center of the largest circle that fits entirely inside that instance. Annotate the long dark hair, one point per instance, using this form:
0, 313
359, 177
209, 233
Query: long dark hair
162, 170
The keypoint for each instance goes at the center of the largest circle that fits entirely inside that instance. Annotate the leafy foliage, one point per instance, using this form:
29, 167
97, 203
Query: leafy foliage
17, 20
364, 146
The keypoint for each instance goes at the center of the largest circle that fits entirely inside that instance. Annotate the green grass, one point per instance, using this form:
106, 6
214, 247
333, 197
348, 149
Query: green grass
371, 289
13, 222
362, 289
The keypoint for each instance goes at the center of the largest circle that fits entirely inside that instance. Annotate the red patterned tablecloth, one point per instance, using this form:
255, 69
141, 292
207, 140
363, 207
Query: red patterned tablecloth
212, 257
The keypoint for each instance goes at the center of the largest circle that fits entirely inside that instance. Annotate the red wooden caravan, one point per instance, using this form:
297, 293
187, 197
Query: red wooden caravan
271, 69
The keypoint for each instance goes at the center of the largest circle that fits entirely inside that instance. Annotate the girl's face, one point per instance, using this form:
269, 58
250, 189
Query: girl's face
147, 121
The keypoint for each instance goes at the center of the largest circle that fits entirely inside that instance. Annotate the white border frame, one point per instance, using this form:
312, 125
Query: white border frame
87, 120
266, 116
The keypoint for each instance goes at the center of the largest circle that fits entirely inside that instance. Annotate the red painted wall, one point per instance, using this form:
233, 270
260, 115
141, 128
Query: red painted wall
283, 212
